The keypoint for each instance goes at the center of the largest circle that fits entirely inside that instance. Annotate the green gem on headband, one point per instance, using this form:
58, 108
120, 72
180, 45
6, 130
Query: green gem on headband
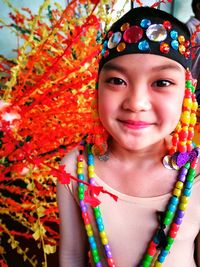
151, 31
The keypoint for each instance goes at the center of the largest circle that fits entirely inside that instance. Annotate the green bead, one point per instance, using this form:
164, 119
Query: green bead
168, 247
190, 178
148, 258
192, 172
96, 259
170, 240
97, 213
187, 165
81, 190
81, 196
95, 252
188, 84
169, 214
167, 221
146, 263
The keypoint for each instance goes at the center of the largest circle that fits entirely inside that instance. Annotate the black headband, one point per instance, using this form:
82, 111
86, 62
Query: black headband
150, 31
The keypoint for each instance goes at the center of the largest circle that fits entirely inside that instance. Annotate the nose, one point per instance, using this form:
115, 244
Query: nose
137, 99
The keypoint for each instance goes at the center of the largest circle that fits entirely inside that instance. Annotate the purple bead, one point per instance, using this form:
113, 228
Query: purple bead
98, 264
178, 220
183, 171
84, 208
92, 181
182, 177
109, 254
182, 159
180, 213
82, 203
107, 247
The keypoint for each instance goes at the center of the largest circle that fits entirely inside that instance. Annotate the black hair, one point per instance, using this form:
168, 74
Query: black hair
194, 6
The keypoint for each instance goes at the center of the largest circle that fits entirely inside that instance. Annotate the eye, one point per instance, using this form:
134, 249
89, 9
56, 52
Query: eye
162, 83
116, 81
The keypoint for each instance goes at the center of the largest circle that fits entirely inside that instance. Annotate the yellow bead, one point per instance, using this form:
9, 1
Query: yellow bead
177, 192
185, 128
183, 143
80, 164
158, 264
91, 168
90, 233
103, 234
187, 102
88, 227
184, 199
104, 241
181, 39
181, 49
193, 119
179, 185
194, 105
182, 206
185, 117
80, 170
91, 173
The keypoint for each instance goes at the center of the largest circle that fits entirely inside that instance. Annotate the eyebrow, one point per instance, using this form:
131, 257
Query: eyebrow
117, 67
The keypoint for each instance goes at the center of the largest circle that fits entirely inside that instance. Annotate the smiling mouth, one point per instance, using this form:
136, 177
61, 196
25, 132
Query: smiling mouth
136, 125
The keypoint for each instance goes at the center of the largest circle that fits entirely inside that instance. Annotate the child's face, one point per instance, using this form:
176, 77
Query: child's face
140, 99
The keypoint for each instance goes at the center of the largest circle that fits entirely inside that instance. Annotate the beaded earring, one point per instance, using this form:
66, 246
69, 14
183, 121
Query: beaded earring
184, 132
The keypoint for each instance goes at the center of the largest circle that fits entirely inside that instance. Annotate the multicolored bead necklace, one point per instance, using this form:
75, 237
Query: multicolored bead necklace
158, 247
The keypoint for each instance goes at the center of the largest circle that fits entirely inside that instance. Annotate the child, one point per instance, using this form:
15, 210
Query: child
141, 97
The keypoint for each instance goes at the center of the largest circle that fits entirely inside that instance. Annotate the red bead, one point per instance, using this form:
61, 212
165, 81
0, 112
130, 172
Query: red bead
189, 147
188, 93
172, 233
187, 53
111, 262
110, 34
106, 53
175, 227
167, 25
187, 43
80, 158
183, 135
190, 134
164, 48
182, 148
133, 34
175, 140
151, 251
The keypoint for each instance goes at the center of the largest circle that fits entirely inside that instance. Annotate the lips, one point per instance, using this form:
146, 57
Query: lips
132, 124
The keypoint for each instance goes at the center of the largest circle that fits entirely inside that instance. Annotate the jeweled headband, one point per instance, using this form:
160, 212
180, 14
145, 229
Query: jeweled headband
150, 31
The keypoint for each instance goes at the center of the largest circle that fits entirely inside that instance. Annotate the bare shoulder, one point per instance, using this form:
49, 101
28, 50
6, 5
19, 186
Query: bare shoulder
69, 161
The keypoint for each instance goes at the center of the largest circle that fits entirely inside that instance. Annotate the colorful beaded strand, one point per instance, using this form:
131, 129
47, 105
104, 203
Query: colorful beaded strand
175, 211
184, 132
97, 212
84, 209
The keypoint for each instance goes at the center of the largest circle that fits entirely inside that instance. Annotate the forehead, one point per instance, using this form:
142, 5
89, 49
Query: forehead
143, 62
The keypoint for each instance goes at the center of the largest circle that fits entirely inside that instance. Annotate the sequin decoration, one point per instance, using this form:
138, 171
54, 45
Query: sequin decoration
156, 33
164, 48
174, 35
125, 26
114, 40
182, 49
143, 45
145, 23
181, 39
167, 24
175, 44
121, 47
133, 34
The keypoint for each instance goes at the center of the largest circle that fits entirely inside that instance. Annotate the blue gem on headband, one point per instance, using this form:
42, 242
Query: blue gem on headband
145, 23
175, 44
143, 46
174, 35
114, 40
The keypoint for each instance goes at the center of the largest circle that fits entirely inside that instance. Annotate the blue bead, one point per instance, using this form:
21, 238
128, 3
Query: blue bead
91, 239
100, 227
104, 45
81, 176
164, 253
187, 192
175, 44
143, 45
171, 207
145, 23
174, 200
93, 245
188, 184
161, 259
174, 34
99, 220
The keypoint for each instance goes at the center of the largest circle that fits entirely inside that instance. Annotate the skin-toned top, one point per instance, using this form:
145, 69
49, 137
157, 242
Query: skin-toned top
130, 223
